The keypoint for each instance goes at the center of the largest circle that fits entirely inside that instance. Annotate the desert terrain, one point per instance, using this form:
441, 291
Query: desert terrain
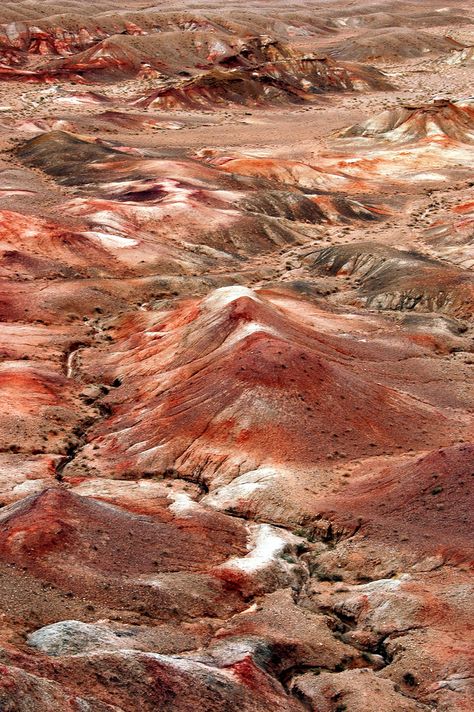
236, 341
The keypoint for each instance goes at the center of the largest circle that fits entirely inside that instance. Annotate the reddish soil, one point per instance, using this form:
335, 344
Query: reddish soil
236, 320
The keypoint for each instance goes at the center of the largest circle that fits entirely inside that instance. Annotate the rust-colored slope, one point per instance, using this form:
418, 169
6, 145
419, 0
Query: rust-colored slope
304, 393
441, 119
235, 356
426, 500
120, 558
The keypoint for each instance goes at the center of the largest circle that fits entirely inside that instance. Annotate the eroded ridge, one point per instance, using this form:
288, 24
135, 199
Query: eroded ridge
236, 319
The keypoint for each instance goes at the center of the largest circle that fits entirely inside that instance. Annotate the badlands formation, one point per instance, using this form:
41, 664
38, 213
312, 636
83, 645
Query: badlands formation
236, 304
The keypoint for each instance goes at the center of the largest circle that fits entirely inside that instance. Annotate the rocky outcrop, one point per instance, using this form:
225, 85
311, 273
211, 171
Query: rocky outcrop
397, 280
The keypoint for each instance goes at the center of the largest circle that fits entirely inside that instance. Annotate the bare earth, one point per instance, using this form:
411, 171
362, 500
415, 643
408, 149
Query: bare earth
236, 356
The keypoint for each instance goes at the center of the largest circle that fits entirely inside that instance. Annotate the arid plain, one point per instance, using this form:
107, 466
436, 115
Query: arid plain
236, 373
